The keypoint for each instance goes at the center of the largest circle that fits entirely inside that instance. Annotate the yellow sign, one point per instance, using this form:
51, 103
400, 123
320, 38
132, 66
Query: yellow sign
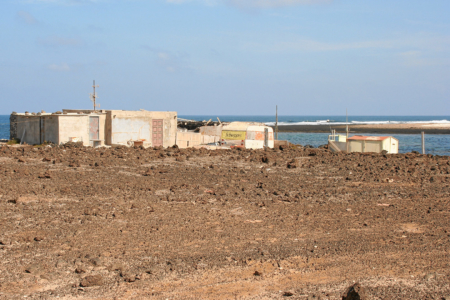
233, 135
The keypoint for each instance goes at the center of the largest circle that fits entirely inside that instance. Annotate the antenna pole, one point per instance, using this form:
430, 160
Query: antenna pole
94, 97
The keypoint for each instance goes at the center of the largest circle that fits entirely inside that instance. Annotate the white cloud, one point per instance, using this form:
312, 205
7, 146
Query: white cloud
64, 67
249, 4
63, 2
421, 42
416, 58
55, 41
26, 17
170, 62
273, 3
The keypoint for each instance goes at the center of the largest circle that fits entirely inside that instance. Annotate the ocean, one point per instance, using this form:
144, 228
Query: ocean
436, 144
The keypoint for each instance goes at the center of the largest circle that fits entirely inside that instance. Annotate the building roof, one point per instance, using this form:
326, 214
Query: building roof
368, 138
58, 114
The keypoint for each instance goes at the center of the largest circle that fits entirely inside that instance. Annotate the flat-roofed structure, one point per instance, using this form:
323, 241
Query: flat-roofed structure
152, 128
59, 128
359, 143
96, 128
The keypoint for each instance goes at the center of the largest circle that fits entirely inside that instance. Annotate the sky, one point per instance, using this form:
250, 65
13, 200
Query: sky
227, 57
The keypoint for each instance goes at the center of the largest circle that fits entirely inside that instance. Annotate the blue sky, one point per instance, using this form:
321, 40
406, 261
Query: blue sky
227, 57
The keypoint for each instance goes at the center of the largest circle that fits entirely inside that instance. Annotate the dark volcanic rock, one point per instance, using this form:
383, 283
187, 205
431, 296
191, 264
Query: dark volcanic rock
94, 280
355, 292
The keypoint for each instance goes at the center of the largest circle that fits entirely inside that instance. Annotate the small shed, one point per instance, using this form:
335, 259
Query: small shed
248, 135
37, 128
150, 128
376, 144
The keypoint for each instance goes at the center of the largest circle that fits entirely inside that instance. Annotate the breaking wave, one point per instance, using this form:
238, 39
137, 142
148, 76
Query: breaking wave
330, 122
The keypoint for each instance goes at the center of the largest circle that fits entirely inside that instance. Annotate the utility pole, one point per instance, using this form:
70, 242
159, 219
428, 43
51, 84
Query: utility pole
94, 96
423, 142
346, 122
276, 123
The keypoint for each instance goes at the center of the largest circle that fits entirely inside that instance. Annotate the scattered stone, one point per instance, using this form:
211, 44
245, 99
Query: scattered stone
33, 269
265, 159
127, 277
45, 175
94, 280
38, 238
354, 292
292, 164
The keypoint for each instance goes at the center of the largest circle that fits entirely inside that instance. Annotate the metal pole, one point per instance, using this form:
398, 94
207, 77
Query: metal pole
94, 95
423, 142
266, 138
276, 123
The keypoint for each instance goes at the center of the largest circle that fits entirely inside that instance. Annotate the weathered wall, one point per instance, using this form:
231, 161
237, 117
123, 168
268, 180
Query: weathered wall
191, 139
28, 129
390, 145
78, 126
211, 130
372, 146
123, 126
337, 146
74, 126
13, 127
355, 146
50, 129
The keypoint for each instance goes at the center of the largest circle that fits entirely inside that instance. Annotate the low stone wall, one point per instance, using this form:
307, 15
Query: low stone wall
191, 139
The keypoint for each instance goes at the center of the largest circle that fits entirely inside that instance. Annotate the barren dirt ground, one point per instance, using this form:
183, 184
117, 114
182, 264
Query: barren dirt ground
132, 223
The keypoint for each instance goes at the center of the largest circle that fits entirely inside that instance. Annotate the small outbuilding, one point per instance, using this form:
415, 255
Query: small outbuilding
59, 128
376, 144
247, 135
151, 128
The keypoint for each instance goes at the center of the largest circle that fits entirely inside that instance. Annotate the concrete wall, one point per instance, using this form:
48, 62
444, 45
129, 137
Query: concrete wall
13, 126
191, 139
78, 126
337, 146
28, 129
38, 129
372, 146
211, 130
390, 145
50, 129
355, 146
74, 127
124, 126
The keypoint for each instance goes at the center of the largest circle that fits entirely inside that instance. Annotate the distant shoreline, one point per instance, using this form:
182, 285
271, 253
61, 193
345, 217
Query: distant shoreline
416, 128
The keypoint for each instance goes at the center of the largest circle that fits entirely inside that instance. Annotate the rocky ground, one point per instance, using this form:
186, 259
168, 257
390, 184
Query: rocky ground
293, 223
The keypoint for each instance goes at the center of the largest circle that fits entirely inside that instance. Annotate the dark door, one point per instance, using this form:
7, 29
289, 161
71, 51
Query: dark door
157, 133
93, 128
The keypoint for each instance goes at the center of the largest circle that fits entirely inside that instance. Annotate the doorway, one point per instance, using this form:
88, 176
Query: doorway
157, 133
